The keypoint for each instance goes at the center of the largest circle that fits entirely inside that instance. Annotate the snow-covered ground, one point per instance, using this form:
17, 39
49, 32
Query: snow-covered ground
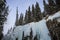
37, 27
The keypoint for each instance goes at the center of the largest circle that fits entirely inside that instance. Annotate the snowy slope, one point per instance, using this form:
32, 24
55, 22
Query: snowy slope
37, 27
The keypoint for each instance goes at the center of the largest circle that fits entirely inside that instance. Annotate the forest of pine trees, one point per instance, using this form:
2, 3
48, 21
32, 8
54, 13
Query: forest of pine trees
3, 15
35, 14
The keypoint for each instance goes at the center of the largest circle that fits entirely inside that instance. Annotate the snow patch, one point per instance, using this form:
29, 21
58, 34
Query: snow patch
56, 15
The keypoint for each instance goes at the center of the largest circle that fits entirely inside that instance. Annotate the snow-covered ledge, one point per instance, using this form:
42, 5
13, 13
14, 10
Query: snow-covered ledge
56, 15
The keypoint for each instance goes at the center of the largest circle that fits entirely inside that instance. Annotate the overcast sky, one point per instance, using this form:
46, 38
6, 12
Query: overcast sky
22, 6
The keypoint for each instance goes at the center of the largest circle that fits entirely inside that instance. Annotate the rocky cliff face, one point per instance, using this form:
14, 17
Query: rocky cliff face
54, 28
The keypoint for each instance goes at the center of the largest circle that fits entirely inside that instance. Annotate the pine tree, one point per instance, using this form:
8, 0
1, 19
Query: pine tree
31, 34
26, 17
3, 15
33, 13
37, 12
35, 38
21, 19
17, 23
45, 8
52, 7
23, 36
57, 4
29, 15
51, 2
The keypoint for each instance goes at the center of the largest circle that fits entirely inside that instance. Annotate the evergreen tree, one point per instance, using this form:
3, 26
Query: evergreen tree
26, 17
57, 4
33, 13
51, 2
17, 23
23, 36
21, 19
52, 7
3, 15
29, 15
35, 38
31, 34
37, 12
45, 8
